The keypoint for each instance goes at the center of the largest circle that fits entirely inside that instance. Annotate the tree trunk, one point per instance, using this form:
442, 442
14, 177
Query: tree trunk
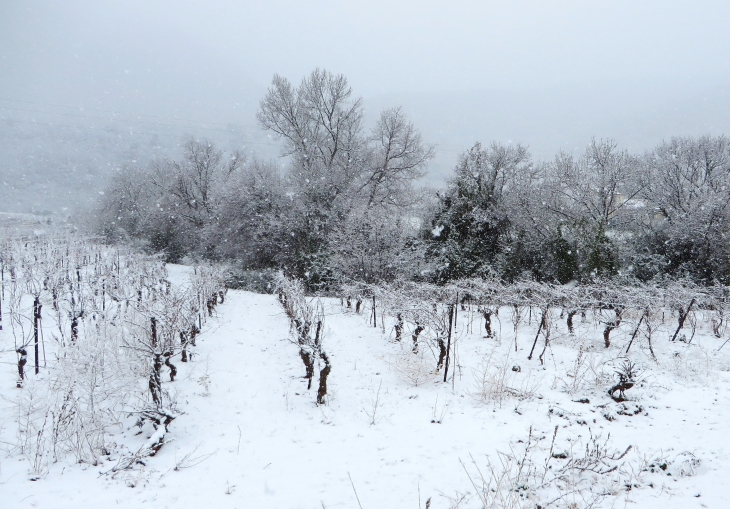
153, 321
173, 369
74, 328
442, 353
399, 327
419, 329
194, 331
155, 381
183, 347
323, 374
22, 361
487, 313
308, 366
611, 326
569, 321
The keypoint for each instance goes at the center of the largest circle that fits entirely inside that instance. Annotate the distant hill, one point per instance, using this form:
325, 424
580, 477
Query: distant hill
57, 169
56, 162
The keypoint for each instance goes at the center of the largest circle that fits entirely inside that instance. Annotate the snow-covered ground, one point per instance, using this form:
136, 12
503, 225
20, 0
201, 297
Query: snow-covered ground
251, 436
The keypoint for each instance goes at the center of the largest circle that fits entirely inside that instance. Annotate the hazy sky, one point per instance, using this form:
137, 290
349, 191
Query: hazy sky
548, 73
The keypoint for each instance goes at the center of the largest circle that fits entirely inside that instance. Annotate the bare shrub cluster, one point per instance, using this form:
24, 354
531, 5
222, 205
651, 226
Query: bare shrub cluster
103, 327
306, 322
545, 472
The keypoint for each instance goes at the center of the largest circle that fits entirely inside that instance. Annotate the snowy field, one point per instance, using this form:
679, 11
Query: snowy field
249, 434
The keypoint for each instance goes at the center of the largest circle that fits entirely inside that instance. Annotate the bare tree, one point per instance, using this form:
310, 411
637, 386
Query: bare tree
591, 195
687, 222
193, 182
398, 157
322, 131
595, 186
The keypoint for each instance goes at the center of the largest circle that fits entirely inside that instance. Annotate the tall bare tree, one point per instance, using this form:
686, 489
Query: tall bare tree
321, 126
592, 195
337, 171
594, 187
398, 157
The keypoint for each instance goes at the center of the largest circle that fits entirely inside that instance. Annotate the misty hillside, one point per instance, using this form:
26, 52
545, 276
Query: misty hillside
52, 167
56, 163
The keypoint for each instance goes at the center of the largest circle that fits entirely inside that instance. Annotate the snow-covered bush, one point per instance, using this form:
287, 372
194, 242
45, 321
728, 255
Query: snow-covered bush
543, 472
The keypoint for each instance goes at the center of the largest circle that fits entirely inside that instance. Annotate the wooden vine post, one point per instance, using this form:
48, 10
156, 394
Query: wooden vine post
682, 318
36, 325
452, 307
375, 316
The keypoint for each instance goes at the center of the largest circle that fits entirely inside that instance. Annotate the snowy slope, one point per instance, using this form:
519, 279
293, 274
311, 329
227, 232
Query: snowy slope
255, 439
